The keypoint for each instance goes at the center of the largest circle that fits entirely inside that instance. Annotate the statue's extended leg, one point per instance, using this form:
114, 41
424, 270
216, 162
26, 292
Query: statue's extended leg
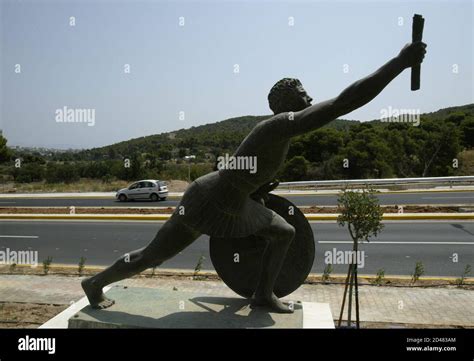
171, 239
279, 236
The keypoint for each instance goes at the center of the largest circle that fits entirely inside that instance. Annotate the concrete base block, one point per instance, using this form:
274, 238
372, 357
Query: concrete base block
157, 308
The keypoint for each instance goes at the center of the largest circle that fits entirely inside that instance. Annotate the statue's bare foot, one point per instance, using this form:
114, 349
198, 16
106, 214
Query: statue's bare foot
95, 295
272, 302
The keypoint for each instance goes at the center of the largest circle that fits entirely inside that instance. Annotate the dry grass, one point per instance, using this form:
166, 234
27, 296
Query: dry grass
83, 185
27, 315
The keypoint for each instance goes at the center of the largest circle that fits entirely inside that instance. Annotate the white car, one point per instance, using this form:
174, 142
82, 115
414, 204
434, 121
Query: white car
154, 190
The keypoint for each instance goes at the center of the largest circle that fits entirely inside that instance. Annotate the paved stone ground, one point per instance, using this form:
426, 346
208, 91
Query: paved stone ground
428, 306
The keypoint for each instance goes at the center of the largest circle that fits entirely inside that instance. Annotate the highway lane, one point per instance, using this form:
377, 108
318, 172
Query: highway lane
299, 200
396, 250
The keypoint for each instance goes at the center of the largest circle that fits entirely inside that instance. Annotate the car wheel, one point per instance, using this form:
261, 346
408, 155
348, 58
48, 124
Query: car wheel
154, 197
122, 198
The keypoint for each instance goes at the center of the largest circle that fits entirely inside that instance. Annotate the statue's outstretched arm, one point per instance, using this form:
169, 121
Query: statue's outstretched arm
356, 95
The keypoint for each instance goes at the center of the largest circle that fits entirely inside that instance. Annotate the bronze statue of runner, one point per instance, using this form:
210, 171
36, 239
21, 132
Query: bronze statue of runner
225, 203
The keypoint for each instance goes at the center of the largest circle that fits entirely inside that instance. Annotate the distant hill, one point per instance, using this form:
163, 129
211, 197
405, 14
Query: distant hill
216, 138
445, 113
220, 137
467, 110
439, 143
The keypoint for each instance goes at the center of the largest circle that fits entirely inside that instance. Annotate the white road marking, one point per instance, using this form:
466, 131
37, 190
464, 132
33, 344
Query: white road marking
447, 198
396, 242
12, 236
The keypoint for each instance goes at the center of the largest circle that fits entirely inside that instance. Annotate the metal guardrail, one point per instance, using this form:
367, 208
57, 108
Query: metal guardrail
390, 181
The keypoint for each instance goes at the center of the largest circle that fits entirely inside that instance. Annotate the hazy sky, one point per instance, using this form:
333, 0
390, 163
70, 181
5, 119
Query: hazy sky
192, 68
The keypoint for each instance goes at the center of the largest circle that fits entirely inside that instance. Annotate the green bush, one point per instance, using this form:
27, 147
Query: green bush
29, 172
419, 271
47, 264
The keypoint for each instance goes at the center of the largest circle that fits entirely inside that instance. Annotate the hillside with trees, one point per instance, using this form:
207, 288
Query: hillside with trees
440, 146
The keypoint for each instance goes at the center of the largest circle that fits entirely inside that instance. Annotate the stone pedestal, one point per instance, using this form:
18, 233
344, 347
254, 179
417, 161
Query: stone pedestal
158, 308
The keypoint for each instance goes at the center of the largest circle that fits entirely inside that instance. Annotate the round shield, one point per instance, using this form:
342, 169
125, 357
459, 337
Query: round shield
238, 261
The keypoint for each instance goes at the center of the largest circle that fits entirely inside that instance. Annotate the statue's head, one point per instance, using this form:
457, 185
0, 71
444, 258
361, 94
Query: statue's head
288, 95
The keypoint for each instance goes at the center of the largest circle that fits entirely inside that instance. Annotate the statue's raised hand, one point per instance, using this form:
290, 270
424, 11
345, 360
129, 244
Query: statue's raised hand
412, 54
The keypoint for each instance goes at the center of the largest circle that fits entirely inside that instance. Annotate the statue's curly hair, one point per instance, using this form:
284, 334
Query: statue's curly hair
282, 95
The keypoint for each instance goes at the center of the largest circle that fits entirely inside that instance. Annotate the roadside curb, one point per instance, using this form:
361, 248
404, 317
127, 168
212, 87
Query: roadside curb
337, 191
177, 195
164, 217
177, 272
402, 216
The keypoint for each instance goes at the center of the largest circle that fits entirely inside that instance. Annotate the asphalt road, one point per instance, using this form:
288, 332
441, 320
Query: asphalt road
299, 200
396, 249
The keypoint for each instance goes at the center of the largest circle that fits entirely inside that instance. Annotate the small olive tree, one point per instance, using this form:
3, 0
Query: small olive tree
81, 265
198, 267
361, 212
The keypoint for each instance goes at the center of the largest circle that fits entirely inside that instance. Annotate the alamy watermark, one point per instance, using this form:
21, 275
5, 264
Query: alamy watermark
237, 163
335, 256
28, 343
75, 115
396, 115
9, 257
